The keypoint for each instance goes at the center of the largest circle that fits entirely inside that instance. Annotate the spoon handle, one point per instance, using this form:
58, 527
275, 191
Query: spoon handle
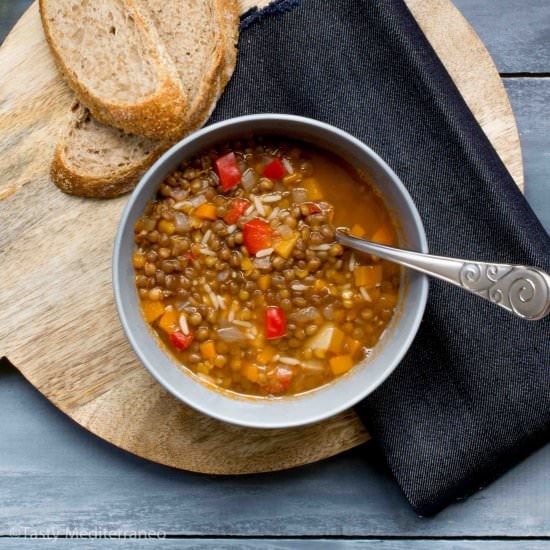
522, 290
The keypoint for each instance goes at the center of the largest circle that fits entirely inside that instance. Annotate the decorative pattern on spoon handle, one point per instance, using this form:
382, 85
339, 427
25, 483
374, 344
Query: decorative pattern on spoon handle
522, 290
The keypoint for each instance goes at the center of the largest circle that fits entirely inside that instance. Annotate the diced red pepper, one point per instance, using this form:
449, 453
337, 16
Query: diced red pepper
228, 171
274, 170
191, 257
238, 208
257, 235
179, 340
275, 323
314, 208
281, 380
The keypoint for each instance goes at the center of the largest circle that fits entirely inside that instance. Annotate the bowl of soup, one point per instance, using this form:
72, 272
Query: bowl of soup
232, 289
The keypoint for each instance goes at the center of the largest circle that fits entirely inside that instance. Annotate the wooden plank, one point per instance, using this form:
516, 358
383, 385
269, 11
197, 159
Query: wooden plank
496, 21
267, 544
530, 98
516, 32
55, 476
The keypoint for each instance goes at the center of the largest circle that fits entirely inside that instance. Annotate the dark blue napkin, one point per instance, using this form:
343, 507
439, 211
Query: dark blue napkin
472, 396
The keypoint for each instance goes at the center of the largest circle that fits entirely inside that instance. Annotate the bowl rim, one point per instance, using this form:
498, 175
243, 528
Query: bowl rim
223, 415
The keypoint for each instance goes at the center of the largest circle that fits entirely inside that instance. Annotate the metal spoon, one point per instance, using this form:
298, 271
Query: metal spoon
522, 290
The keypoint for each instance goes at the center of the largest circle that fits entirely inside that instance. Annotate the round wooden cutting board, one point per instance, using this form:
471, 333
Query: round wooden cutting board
58, 323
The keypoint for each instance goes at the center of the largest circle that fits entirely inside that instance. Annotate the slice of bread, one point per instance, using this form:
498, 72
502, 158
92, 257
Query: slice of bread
110, 53
95, 160
193, 35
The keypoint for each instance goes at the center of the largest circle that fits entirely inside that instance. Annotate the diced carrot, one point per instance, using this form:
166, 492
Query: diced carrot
246, 264
164, 226
169, 321
284, 247
264, 281
313, 189
368, 276
266, 355
251, 372
384, 235
357, 231
206, 211
328, 338
320, 353
152, 310
138, 260
336, 341
341, 364
208, 349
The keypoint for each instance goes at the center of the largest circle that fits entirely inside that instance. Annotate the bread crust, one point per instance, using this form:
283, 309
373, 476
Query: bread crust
227, 15
156, 116
82, 185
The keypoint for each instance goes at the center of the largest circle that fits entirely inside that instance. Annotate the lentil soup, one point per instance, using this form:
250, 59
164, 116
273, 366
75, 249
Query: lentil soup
238, 272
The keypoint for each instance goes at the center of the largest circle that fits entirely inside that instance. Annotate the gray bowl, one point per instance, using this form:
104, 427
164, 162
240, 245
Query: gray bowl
315, 405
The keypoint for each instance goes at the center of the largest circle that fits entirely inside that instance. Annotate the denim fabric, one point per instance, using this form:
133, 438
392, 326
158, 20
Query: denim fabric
472, 397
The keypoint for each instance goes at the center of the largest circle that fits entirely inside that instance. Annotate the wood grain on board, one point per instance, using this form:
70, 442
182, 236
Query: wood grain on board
58, 323
153, 543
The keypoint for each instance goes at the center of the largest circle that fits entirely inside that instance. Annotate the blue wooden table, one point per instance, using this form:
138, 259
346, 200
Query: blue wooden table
57, 480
